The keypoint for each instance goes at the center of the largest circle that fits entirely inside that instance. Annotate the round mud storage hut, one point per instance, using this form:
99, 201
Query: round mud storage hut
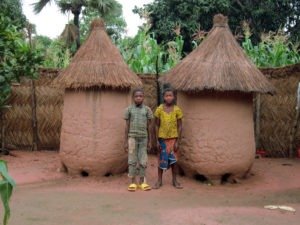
97, 90
215, 86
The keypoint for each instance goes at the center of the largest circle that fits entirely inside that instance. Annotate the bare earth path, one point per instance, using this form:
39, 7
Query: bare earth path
45, 196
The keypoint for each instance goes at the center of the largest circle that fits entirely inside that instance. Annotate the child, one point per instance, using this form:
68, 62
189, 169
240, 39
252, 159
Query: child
138, 118
168, 132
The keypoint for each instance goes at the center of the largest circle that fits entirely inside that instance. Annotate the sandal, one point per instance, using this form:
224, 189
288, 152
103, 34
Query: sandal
132, 187
145, 187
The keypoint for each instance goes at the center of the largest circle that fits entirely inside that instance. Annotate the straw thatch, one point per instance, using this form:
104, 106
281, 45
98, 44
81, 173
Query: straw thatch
278, 112
98, 63
218, 63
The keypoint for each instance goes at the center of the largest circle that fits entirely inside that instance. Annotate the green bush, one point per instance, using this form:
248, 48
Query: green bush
17, 59
57, 55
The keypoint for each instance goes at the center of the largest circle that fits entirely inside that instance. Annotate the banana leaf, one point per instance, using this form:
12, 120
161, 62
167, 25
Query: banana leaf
6, 188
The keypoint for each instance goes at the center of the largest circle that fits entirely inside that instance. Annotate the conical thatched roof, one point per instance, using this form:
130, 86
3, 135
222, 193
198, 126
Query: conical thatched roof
219, 63
98, 63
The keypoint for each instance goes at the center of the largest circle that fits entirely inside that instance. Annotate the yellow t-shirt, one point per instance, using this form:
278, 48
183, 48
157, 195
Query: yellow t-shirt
168, 121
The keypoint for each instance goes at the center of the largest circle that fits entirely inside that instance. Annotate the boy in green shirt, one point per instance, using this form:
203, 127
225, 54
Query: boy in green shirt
137, 141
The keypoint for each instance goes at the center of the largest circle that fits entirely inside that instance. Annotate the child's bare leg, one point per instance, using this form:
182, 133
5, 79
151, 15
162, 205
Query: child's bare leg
159, 180
176, 184
133, 180
132, 173
142, 180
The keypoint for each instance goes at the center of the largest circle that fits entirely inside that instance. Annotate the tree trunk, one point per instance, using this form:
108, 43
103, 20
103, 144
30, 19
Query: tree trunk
3, 150
157, 82
34, 120
2, 131
76, 23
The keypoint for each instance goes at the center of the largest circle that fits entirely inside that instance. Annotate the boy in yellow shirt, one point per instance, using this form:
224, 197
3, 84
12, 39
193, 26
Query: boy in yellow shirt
168, 132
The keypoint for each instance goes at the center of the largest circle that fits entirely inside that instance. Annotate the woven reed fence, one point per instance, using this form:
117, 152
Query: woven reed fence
47, 102
18, 120
278, 113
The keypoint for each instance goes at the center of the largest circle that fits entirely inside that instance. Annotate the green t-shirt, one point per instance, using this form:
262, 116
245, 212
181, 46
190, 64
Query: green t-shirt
138, 117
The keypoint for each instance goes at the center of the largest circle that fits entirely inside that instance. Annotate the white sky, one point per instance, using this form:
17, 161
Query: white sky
51, 22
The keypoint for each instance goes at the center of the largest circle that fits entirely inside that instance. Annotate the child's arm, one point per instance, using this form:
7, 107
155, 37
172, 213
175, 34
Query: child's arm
127, 119
126, 136
149, 134
157, 124
149, 119
179, 128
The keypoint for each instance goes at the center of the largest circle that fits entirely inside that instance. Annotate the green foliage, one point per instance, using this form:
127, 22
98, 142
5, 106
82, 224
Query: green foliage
265, 16
16, 58
41, 41
104, 8
144, 55
166, 15
55, 54
13, 10
114, 21
195, 15
274, 50
6, 187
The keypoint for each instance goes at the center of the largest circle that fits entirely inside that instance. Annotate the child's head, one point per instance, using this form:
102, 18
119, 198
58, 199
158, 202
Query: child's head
169, 96
138, 96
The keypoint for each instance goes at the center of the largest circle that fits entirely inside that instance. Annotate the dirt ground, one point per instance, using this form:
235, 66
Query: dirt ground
45, 196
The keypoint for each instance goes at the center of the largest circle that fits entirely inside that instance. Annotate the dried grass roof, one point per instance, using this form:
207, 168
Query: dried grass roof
218, 63
97, 63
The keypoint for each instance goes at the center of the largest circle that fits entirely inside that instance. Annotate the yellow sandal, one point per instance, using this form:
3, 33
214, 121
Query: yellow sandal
145, 187
132, 187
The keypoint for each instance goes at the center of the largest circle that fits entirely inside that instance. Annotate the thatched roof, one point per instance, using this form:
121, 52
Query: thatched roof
97, 63
218, 63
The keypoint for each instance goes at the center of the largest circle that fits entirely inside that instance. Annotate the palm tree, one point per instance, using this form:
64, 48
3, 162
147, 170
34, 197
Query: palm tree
104, 7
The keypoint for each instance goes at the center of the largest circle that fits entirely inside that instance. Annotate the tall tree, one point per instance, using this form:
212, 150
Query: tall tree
168, 17
265, 16
115, 22
195, 15
104, 7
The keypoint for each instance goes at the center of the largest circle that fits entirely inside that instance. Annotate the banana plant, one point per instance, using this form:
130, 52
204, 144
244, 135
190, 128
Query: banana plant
7, 185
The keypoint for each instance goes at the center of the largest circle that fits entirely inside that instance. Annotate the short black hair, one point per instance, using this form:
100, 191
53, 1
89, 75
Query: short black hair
137, 90
168, 90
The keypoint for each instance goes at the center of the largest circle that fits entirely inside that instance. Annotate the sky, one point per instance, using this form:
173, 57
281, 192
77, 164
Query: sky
51, 22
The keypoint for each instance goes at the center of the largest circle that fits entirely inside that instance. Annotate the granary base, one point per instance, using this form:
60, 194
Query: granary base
218, 135
92, 135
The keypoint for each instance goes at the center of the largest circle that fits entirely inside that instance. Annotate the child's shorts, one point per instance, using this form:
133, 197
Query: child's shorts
167, 156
